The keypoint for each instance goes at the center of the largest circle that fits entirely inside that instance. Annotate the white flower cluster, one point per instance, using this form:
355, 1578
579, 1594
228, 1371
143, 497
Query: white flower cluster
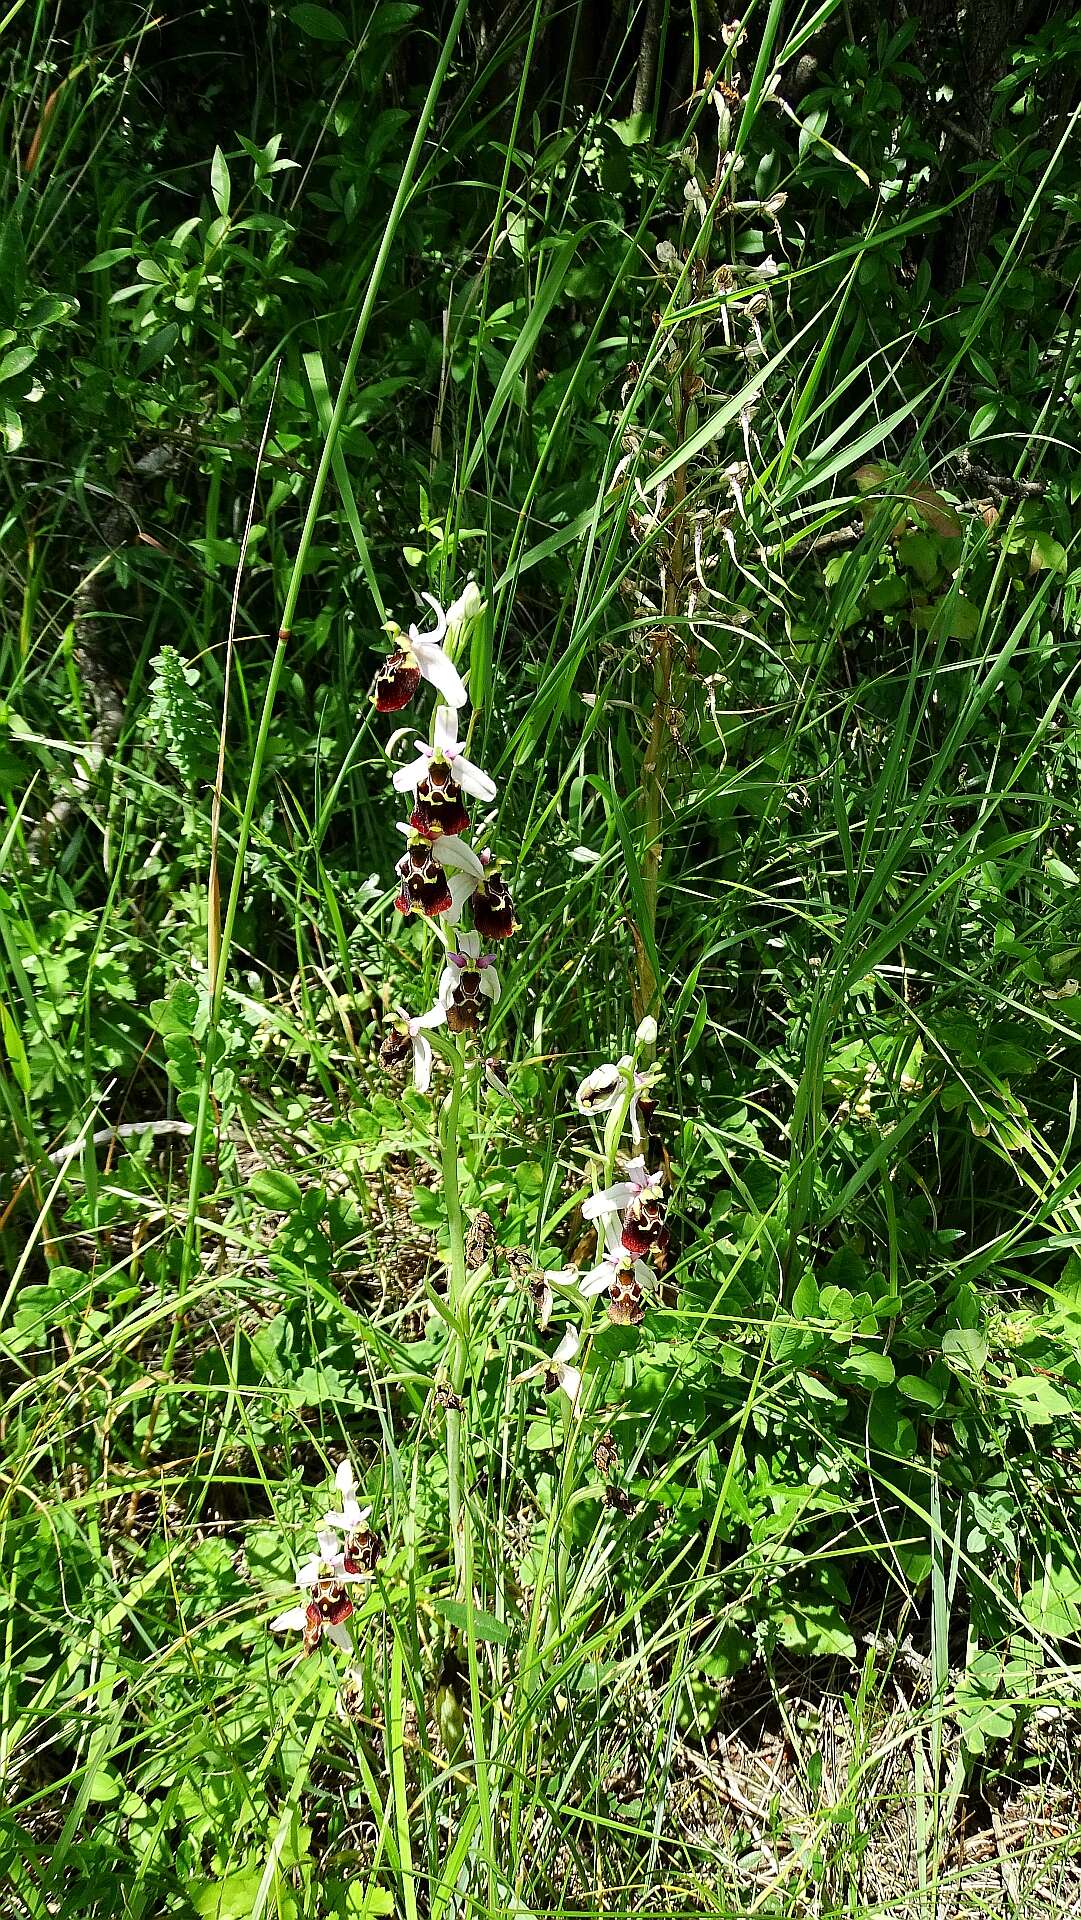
440, 874
630, 1217
346, 1556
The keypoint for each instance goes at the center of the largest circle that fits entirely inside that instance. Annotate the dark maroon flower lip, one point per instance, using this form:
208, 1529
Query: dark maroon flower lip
395, 682
493, 909
469, 1008
651, 1244
424, 887
439, 808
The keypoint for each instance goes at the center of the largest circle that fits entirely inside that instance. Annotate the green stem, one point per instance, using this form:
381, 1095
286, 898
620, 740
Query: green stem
458, 1350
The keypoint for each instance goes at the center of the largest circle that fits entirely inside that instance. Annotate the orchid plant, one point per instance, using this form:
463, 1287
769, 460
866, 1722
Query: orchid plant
629, 1215
440, 875
328, 1577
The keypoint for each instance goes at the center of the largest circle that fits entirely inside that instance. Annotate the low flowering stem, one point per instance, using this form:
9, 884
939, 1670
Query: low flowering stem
655, 766
457, 1302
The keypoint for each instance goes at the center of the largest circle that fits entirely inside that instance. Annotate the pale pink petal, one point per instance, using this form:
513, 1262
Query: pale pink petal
609, 1200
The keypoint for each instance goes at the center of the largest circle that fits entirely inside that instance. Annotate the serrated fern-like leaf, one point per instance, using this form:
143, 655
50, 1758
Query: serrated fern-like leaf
180, 718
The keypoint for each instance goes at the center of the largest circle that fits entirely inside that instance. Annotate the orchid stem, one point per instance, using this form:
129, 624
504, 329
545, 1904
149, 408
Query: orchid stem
457, 1302
658, 750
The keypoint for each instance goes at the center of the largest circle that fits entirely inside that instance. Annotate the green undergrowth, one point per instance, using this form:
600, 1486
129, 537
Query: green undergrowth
745, 388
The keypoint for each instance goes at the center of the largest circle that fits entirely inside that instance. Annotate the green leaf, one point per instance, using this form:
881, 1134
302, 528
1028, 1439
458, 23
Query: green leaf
1053, 1605
964, 1350
983, 418
16, 362
1038, 1400
805, 1301
1046, 555
923, 1392
816, 1630
319, 23
271, 1188
219, 181
485, 1625
868, 1368
110, 258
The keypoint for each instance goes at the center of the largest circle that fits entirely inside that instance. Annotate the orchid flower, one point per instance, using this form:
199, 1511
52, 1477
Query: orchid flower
468, 606
360, 1547
468, 960
558, 1373
422, 870
638, 1185
324, 1579
446, 751
420, 656
625, 1280
352, 1515
603, 1089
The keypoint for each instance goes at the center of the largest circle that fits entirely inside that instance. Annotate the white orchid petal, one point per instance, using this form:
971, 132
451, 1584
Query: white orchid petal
448, 982
613, 1235
462, 888
468, 606
345, 1479
337, 1632
440, 620
451, 851
446, 731
311, 1572
599, 1281
567, 1347
327, 1544
489, 983
408, 778
422, 1062
434, 1017
293, 1620
440, 673
570, 1379
599, 1091
609, 1200
636, 1174
473, 779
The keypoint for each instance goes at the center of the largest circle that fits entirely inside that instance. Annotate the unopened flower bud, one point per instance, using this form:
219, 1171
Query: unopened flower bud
646, 1035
